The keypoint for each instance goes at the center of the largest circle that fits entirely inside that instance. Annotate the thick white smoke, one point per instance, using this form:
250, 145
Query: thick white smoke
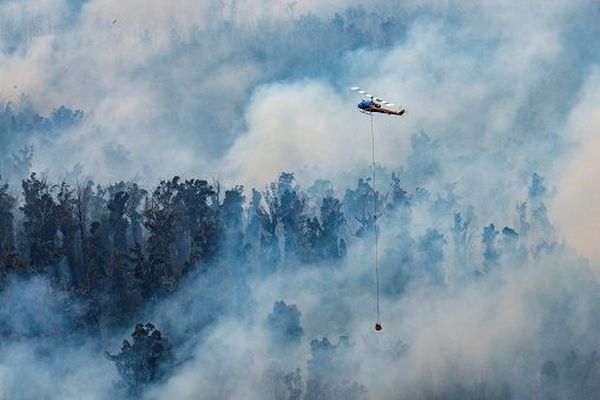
243, 91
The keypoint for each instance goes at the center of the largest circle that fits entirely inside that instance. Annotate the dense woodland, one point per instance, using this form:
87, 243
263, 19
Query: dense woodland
120, 246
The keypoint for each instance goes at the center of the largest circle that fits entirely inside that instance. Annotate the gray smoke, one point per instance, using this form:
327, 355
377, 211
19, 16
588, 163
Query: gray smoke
241, 92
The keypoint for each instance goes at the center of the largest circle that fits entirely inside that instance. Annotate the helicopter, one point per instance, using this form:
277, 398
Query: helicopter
375, 104
369, 105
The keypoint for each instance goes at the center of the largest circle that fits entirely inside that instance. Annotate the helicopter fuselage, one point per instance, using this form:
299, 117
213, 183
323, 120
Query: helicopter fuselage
371, 106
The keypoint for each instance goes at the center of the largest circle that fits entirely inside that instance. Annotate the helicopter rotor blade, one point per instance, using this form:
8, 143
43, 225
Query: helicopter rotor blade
360, 91
367, 94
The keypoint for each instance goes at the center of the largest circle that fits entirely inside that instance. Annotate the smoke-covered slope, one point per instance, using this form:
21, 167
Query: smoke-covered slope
488, 229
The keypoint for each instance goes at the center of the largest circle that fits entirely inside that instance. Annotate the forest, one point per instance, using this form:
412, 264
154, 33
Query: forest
191, 205
120, 246
118, 250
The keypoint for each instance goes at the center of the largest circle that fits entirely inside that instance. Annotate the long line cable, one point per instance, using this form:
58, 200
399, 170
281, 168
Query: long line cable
375, 219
